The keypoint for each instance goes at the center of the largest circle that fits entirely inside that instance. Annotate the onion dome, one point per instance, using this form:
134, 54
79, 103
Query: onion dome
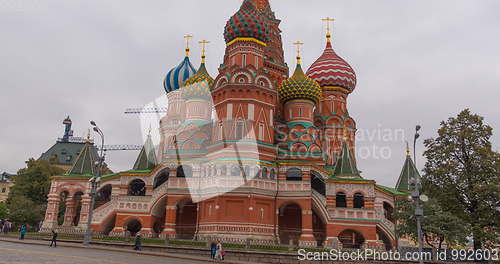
178, 75
299, 86
199, 85
246, 23
331, 71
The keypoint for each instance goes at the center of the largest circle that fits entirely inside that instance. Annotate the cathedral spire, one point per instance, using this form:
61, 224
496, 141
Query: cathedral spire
147, 157
408, 173
85, 163
346, 164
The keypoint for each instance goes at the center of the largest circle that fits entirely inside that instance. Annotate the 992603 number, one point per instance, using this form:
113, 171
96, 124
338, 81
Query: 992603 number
473, 255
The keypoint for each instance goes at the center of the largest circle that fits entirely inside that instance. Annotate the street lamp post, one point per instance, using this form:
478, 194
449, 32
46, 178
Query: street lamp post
419, 211
94, 184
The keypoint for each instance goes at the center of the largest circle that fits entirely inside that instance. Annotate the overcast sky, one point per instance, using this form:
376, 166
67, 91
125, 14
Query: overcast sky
416, 62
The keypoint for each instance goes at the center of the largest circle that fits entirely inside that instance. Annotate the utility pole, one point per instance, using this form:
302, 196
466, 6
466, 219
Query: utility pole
94, 184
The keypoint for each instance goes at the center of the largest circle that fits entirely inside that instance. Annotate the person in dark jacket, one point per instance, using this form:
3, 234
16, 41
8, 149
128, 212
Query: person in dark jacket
138, 244
213, 250
22, 232
54, 239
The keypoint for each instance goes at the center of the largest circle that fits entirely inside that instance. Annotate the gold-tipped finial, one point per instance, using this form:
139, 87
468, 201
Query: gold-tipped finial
188, 38
298, 44
203, 49
407, 150
328, 29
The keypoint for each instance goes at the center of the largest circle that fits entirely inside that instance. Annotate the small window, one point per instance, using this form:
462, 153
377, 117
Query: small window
359, 200
272, 174
341, 200
239, 129
4, 190
261, 131
244, 64
264, 173
294, 175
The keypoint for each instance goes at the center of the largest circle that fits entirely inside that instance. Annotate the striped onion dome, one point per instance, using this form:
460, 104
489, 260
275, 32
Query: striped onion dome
246, 23
299, 86
199, 86
178, 75
331, 71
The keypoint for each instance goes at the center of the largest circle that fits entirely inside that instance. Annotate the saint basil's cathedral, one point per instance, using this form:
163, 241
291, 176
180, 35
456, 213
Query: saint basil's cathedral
250, 155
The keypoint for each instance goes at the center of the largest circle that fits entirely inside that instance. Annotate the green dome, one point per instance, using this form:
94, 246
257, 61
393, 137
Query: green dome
299, 86
199, 85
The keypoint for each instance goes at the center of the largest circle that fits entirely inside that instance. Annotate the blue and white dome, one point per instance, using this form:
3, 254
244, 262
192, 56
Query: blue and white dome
178, 75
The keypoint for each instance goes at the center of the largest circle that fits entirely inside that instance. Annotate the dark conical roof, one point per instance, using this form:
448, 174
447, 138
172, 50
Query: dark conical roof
346, 164
85, 163
147, 157
408, 173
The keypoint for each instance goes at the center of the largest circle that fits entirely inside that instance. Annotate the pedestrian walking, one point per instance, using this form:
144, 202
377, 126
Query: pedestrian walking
7, 227
218, 253
213, 250
54, 239
22, 232
138, 244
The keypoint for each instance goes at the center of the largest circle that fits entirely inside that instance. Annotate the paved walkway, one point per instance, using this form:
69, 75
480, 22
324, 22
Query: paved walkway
33, 251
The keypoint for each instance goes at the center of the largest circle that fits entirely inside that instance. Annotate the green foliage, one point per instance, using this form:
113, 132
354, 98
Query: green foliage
437, 225
24, 211
462, 173
3, 211
28, 197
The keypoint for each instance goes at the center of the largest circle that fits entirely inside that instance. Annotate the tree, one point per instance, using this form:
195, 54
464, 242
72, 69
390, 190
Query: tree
438, 226
28, 197
3, 211
25, 211
462, 173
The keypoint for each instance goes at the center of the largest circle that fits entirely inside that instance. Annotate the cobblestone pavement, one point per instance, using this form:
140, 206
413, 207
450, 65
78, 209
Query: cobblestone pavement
11, 253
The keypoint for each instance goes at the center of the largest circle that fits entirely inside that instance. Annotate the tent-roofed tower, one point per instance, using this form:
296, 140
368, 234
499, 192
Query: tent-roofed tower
346, 163
85, 163
147, 157
408, 173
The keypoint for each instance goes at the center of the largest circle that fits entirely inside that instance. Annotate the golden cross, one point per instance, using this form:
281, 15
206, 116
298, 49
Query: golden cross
328, 20
203, 49
298, 44
188, 38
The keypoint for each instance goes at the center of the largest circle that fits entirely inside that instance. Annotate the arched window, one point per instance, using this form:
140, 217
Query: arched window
272, 174
341, 200
240, 127
388, 211
294, 174
359, 200
235, 171
184, 171
264, 173
137, 188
